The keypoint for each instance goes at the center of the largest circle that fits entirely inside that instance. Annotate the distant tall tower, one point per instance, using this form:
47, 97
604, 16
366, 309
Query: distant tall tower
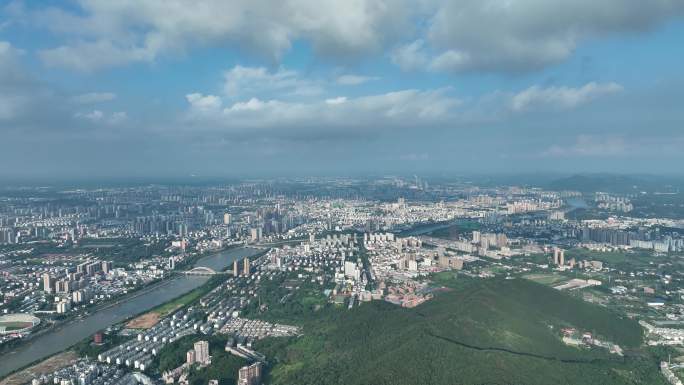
236, 271
226, 219
558, 256
555, 256
561, 257
246, 266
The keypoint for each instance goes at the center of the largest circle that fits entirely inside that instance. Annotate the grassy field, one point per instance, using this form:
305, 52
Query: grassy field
624, 260
186, 299
482, 332
304, 299
456, 230
546, 279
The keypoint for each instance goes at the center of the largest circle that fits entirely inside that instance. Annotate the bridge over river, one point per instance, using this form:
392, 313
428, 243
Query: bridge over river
201, 270
69, 333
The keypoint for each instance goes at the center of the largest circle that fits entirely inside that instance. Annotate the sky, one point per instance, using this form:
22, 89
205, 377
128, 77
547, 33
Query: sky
174, 88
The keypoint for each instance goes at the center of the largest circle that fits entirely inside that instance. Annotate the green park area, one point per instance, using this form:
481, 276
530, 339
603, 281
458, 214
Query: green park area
478, 332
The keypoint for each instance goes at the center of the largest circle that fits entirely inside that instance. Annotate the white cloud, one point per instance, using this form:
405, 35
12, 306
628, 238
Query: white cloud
406, 108
252, 104
410, 57
249, 81
94, 116
504, 35
133, 31
203, 102
337, 100
464, 35
560, 97
451, 60
353, 80
94, 97
91, 56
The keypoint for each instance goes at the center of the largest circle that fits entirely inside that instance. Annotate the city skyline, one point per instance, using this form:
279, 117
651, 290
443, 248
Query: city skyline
167, 89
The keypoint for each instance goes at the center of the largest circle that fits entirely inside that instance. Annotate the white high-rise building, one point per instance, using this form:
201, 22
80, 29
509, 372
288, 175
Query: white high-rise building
202, 352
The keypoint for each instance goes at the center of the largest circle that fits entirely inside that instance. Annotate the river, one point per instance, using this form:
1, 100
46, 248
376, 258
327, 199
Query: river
68, 334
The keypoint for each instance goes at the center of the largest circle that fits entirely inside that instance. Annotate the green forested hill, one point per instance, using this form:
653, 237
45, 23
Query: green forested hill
482, 332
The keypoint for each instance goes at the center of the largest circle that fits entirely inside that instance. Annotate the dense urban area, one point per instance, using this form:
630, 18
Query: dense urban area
343, 281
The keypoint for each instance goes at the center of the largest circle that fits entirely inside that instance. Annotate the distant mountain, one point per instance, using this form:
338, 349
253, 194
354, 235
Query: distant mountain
616, 183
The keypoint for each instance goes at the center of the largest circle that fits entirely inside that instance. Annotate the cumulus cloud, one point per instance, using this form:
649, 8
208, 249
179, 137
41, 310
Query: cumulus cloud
94, 97
503, 35
203, 102
560, 97
467, 35
133, 31
392, 110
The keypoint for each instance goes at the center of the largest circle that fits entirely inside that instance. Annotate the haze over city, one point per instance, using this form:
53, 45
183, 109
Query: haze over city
167, 89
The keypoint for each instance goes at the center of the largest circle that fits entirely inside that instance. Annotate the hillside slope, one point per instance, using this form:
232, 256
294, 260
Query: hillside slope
482, 332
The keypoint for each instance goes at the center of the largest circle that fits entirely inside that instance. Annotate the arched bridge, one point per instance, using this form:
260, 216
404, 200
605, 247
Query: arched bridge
203, 270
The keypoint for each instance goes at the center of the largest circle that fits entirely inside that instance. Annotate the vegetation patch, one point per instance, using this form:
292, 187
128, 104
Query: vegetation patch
479, 332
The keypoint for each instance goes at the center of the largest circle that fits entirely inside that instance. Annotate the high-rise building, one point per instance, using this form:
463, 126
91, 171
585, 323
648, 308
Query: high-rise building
202, 352
48, 283
250, 375
246, 267
476, 237
558, 256
106, 266
63, 307
190, 357
62, 286
226, 219
253, 234
501, 240
236, 271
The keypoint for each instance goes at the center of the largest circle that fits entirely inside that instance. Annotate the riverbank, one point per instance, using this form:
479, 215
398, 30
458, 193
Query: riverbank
46, 366
66, 335
53, 325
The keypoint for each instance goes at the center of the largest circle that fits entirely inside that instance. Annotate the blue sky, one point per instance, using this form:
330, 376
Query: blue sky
216, 88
